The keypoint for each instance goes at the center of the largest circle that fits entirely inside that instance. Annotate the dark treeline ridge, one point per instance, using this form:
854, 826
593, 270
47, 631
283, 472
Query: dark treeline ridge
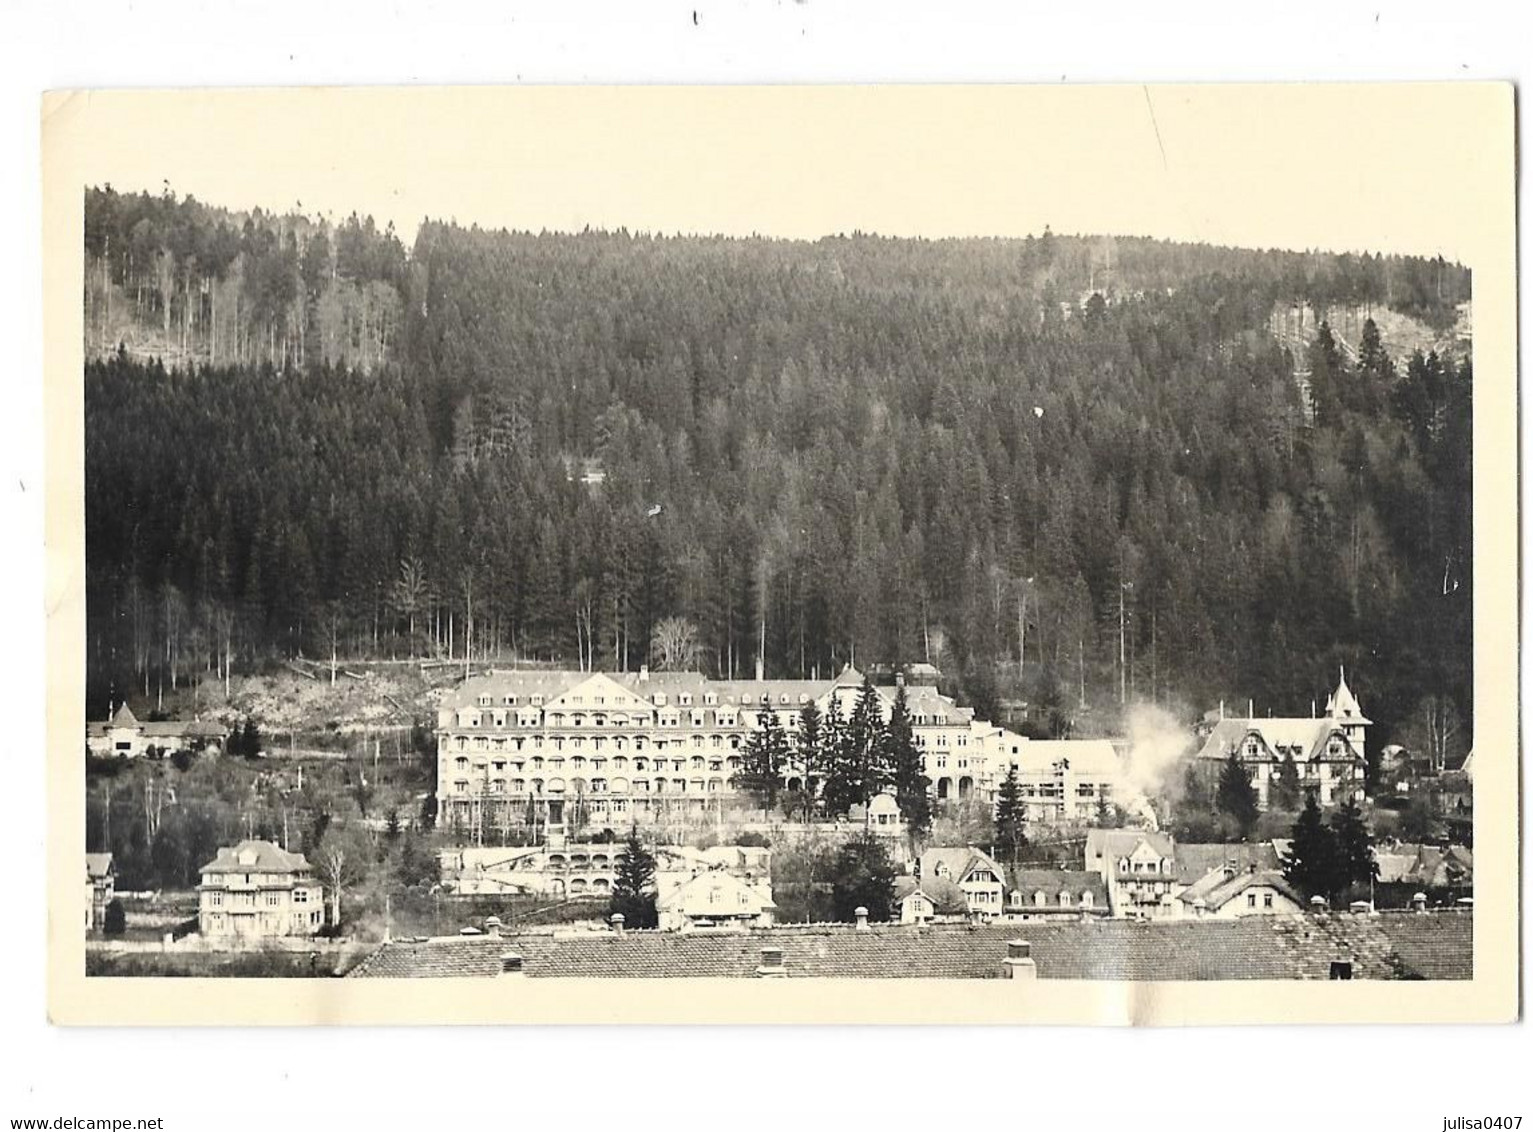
859, 448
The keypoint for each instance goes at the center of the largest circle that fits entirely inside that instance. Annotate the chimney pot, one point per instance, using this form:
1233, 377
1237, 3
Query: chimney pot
511, 966
617, 922
492, 926
862, 918
1419, 901
1317, 904
1019, 963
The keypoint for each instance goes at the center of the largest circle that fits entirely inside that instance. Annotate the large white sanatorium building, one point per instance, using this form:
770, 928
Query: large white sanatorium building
560, 748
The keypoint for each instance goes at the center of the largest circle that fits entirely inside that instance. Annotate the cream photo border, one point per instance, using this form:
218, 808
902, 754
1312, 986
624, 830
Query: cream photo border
91, 137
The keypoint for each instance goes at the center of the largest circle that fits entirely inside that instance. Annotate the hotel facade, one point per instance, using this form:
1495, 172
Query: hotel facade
560, 750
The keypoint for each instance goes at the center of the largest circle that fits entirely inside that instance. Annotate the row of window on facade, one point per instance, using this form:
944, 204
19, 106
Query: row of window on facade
1041, 900
248, 899
598, 742
506, 810
578, 764
595, 786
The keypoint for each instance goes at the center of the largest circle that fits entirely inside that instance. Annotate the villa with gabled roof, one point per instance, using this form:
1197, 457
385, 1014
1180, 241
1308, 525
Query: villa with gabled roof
1327, 750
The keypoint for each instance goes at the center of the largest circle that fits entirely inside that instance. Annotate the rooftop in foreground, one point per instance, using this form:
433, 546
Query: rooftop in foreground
1389, 945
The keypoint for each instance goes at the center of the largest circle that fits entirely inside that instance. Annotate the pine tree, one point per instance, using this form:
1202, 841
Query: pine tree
1236, 797
763, 760
633, 887
1311, 863
867, 750
1355, 863
912, 789
1010, 821
810, 756
1288, 791
837, 793
862, 877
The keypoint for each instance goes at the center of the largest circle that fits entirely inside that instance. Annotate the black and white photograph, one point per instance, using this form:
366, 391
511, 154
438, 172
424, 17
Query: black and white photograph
861, 535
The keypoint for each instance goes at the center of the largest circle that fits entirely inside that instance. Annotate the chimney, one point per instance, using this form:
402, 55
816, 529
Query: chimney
771, 964
617, 923
492, 926
1360, 907
1199, 906
1318, 905
1018, 963
1419, 902
1250, 709
899, 677
1221, 709
643, 673
511, 966
862, 917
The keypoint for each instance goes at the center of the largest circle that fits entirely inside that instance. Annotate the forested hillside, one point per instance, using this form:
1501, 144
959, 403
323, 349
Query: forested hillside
859, 447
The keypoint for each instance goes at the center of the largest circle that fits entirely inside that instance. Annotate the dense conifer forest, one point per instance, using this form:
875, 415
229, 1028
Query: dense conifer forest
1061, 468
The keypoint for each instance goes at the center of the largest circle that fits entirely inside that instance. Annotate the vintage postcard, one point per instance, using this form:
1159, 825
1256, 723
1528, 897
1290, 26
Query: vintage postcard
782, 554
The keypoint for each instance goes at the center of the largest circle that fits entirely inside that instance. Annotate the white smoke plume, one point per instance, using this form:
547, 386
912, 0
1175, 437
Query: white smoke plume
1158, 745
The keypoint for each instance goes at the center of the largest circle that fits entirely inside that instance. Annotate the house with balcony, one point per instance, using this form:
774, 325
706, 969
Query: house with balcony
257, 890
1139, 869
975, 873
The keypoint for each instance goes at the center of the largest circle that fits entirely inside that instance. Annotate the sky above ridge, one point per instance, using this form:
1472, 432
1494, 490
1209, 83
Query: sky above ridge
1296, 166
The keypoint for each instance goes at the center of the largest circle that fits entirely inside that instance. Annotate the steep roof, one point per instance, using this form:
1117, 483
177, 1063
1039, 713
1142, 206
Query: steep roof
1112, 844
715, 893
943, 893
1342, 704
253, 856
98, 865
1309, 736
124, 717
1194, 862
1388, 946
1216, 889
178, 729
1426, 865
1051, 882
957, 863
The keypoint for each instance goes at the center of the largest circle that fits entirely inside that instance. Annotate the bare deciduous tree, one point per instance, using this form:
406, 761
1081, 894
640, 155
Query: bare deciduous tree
340, 862
673, 645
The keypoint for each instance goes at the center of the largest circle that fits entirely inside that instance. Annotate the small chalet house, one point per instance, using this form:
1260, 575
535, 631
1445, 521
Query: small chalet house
100, 886
256, 890
1056, 894
1232, 891
715, 899
1139, 869
123, 736
977, 875
920, 902
1327, 751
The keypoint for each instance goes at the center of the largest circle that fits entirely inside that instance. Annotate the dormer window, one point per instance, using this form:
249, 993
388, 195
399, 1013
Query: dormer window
484, 701
710, 699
